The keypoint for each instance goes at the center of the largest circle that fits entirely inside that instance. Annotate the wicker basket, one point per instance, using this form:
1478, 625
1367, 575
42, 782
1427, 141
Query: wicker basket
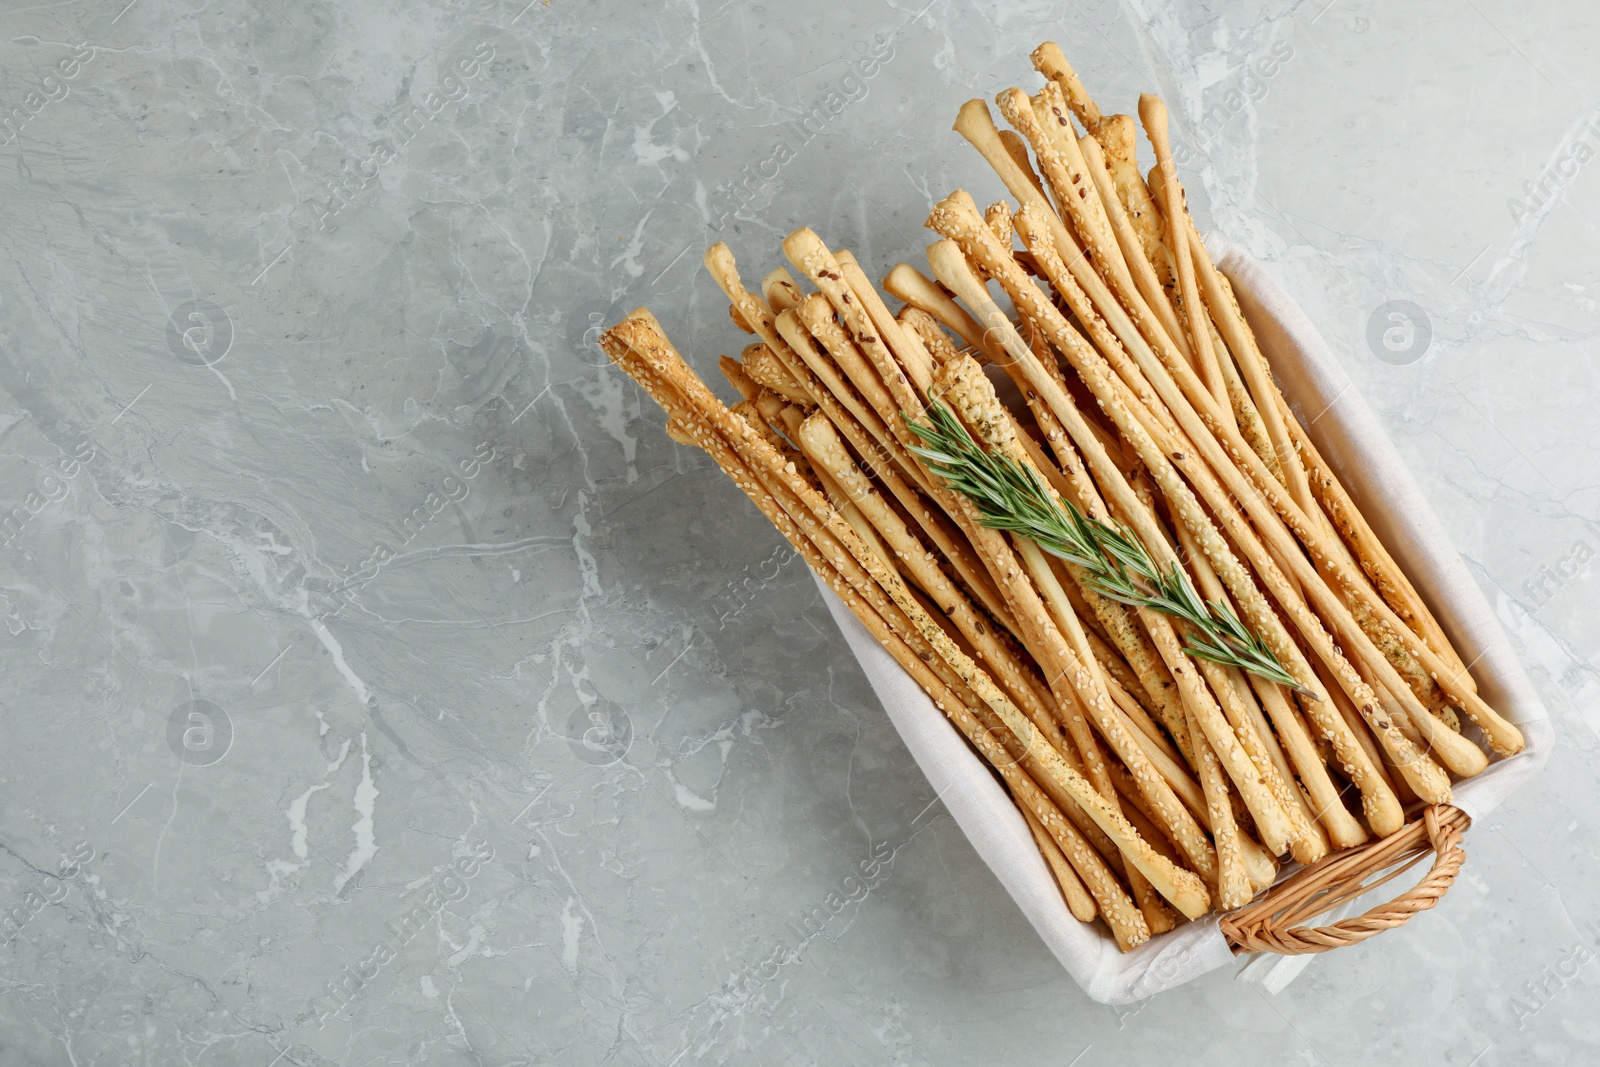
1273, 921
1277, 921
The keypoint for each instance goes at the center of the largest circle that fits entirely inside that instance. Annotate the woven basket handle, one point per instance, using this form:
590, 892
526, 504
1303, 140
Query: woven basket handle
1274, 923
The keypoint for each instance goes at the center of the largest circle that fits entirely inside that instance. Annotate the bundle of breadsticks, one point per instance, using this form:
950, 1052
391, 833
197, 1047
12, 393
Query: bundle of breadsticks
1063, 489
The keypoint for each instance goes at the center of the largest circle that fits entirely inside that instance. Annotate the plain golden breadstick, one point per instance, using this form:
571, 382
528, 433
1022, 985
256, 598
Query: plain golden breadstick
911, 285
1153, 112
737, 378
1079, 902
779, 291
1017, 148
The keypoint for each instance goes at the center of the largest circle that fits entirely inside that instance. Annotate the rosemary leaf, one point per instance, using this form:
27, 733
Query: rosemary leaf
1011, 498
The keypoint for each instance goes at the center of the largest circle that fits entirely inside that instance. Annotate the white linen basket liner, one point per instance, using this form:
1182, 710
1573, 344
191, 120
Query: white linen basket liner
1354, 444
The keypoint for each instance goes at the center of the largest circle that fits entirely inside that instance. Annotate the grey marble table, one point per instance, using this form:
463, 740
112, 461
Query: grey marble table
382, 686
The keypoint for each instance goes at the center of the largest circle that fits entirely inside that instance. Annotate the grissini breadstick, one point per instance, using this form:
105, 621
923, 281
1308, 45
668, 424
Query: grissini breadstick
998, 217
1460, 755
906, 346
1118, 670
734, 372
1383, 811
1401, 708
1153, 112
967, 399
1115, 135
1275, 750
1023, 607
1071, 480
807, 252
761, 364
969, 393
1062, 664
1128, 240
1177, 885
1241, 341
1156, 679
779, 291
751, 413
1017, 148
975, 124
1127, 925
1363, 734
1117, 620
1128, 705
821, 329
886, 458
1245, 469
1259, 867
1344, 831
1252, 427
1138, 425
1157, 913
928, 331
1167, 763
846, 507
639, 342
1233, 886
1050, 109
819, 439
1369, 549
883, 454
756, 317
870, 575
909, 284
872, 442
1064, 166
1238, 702
1049, 61
1079, 902
950, 266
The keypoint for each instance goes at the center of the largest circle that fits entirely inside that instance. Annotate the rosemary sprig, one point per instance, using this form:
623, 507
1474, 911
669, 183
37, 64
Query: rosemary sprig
1012, 498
